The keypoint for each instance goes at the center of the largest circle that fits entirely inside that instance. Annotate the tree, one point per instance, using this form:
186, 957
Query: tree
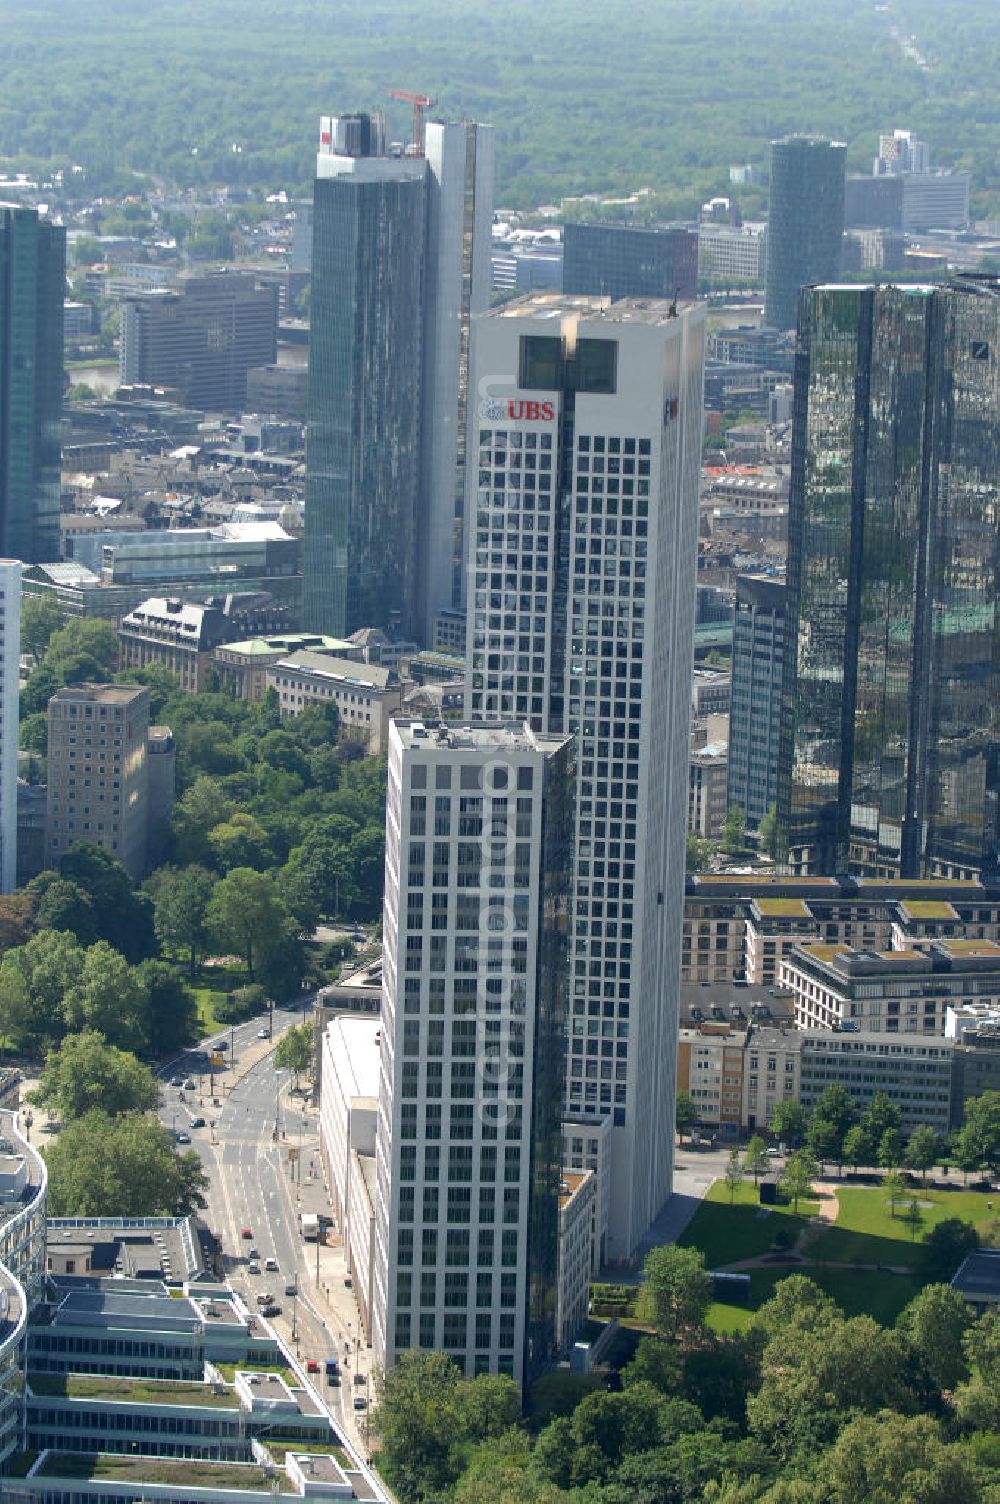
836, 1107
679, 1288
769, 834
121, 1167
890, 1149
897, 1457
63, 905
199, 809
83, 640
879, 1116
934, 1323
735, 829
124, 917
240, 841
788, 1121
755, 1160
414, 1416
923, 1150
734, 1174
34, 982
857, 1148
110, 998
180, 906
980, 1133
946, 1245
33, 734
656, 1362
171, 1010
294, 1051
85, 1072
894, 1184
41, 615
246, 914
685, 1114
822, 1140
698, 853
798, 1175
913, 1217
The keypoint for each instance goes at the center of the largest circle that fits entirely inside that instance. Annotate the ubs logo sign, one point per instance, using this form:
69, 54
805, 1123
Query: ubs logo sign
515, 410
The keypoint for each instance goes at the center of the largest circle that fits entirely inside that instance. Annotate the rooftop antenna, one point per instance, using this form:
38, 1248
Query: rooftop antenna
672, 310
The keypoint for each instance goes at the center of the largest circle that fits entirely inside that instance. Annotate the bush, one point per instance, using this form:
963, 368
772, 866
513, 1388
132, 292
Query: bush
241, 1003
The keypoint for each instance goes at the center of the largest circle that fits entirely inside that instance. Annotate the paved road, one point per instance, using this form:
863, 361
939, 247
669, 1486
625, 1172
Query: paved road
255, 1183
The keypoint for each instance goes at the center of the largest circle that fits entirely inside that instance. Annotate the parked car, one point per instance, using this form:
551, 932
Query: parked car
312, 1366
183, 1138
360, 1403
773, 1153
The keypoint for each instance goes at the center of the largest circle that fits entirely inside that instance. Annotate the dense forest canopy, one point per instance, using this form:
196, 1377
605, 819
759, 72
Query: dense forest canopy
586, 95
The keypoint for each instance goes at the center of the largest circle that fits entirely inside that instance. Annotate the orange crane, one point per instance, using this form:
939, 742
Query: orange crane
420, 103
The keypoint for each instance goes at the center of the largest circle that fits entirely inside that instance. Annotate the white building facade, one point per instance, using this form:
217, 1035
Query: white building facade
479, 858
10, 657
581, 610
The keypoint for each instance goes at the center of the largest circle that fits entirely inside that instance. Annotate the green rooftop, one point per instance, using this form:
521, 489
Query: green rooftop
783, 908
290, 642
928, 908
97, 1386
180, 1473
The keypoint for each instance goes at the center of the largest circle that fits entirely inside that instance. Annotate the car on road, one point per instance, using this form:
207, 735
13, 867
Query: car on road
182, 1138
291, 1288
197, 1122
265, 1298
189, 1084
221, 1045
246, 1233
253, 1267
253, 1254
773, 1153
312, 1366
272, 1310
272, 1265
263, 1033
177, 1081
360, 1403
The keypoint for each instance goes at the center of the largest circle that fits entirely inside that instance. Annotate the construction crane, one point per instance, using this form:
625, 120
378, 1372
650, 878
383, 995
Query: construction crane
420, 103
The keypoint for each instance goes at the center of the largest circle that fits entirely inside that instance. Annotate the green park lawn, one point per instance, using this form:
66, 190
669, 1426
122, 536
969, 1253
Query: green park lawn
728, 1233
865, 1233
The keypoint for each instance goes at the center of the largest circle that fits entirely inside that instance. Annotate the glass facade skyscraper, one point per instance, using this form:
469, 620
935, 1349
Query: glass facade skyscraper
805, 222
890, 746
365, 352
630, 261
32, 288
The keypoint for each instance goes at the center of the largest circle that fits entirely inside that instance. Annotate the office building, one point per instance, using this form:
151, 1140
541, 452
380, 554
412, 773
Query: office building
23, 1194
400, 264
200, 339
581, 612
897, 991
805, 222
479, 859
738, 1073
909, 203
32, 287
365, 695
278, 390
629, 261
98, 774
890, 759
348, 1113
10, 657
901, 153
459, 215
732, 254
927, 200
707, 790
577, 1222
242, 666
182, 636
755, 698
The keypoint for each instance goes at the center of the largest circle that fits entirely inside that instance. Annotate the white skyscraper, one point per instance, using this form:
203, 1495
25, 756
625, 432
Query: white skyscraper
10, 654
459, 240
582, 523
479, 828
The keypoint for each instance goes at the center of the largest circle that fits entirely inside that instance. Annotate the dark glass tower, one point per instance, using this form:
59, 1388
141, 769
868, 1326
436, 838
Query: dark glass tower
805, 222
890, 745
365, 352
755, 712
32, 289
629, 261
